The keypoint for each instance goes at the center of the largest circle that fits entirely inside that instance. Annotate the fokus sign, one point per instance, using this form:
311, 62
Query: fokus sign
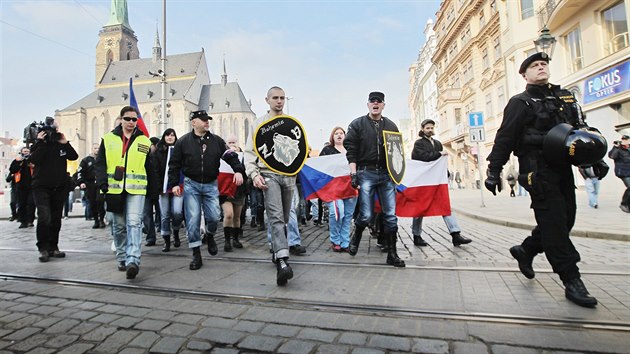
607, 83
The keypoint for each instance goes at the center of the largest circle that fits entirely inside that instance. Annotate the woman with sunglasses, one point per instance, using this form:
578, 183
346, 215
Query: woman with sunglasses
171, 206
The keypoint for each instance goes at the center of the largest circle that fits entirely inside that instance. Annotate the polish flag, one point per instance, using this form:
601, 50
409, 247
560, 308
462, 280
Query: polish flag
326, 178
226, 174
424, 189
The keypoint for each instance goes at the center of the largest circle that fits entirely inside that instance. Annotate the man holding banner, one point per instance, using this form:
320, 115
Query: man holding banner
374, 154
274, 154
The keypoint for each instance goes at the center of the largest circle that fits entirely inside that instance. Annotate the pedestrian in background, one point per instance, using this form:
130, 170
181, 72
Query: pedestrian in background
232, 206
22, 170
171, 207
13, 200
591, 184
86, 179
50, 155
151, 210
339, 211
620, 153
427, 149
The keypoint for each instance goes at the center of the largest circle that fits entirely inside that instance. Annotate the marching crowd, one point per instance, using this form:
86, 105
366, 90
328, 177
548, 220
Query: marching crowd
128, 176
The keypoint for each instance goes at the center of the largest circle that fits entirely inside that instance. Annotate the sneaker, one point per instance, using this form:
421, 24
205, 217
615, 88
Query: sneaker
284, 271
132, 271
624, 208
297, 250
57, 254
336, 248
121, 266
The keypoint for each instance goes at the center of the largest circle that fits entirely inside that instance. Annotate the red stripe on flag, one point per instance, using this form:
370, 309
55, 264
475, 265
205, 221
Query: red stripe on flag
423, 201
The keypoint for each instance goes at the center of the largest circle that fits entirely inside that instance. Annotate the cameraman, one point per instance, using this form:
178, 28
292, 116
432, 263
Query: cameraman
22, 170
50, 155
621, 154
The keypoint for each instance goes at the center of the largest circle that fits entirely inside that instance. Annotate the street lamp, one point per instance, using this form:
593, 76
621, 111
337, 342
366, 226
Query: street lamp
546, 42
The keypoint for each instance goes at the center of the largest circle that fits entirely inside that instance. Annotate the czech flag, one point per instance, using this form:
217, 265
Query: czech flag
326, 178
424, 189
226, 174
134, 103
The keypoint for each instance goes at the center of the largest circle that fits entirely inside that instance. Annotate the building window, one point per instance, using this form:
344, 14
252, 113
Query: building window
484, 59
500, 97
497, 48
465, 36
489, 112
615, 27
574, 49
527, 9
467, 71
456, 80
482, 19
458, 116
493, 6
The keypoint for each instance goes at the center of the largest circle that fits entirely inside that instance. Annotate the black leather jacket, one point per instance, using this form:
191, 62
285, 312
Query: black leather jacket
364, 141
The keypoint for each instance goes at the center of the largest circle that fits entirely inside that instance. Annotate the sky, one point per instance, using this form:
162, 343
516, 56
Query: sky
327, 55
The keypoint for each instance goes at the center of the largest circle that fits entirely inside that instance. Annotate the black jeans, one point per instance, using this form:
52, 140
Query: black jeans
49, 202
553, 201
26, 206
97, 202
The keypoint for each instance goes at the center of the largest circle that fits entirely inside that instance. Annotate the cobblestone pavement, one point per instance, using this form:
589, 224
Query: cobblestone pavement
456, 294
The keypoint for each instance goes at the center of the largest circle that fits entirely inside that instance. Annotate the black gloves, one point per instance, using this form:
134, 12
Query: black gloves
493, 182
104, 188
354, 180
600, 169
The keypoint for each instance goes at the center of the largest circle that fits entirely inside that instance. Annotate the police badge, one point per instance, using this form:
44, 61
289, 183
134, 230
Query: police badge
280, 143
394, 155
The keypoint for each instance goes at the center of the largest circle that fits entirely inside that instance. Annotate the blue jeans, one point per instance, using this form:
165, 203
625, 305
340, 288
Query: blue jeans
451, 225
625, 199
127, 230
171, 211
592, 189
340, 228
371, 183
198, 196
148, 220
278, 200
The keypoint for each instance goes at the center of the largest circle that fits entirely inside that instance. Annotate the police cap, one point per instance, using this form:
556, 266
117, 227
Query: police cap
532, 58
200, 114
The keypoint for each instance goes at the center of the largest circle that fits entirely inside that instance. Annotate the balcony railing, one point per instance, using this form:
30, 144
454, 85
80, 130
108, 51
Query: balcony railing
618, 42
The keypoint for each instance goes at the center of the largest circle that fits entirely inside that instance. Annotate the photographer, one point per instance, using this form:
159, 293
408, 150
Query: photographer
621, 154
50, 155
86, 179
22, 170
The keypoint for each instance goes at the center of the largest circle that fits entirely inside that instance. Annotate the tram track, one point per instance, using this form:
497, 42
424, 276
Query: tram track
337, 307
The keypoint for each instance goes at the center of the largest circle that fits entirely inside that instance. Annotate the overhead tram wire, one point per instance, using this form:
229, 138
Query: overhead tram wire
45, 38
87, 12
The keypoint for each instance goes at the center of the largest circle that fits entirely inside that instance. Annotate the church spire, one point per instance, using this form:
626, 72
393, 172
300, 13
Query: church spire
157, 49
118, 14
224, 75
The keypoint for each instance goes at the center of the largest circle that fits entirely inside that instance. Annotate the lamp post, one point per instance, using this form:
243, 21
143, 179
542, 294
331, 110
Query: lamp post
545, 43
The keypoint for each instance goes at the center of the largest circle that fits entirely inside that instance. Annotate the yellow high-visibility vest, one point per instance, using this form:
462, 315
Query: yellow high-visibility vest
135, 177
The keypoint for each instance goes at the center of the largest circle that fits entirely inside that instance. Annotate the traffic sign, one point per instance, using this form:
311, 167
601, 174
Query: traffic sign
475, 119
477, 134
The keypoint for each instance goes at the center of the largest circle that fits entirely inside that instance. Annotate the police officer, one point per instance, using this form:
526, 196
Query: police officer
365, 151
527, 119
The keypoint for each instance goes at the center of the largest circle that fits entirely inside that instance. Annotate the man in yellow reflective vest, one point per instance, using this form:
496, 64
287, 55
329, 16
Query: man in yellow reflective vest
125, 174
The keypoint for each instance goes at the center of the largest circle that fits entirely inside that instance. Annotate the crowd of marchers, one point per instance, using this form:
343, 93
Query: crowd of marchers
139, 185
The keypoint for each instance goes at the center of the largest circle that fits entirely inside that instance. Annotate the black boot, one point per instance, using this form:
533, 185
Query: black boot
525, 261
418, 241
167, 243
176, 242
355, 240
196, 261
392, 256
284, 271
576, 292
212, 245
96, 224
236, 233
459, 239
381, 241
101, 223
227, 231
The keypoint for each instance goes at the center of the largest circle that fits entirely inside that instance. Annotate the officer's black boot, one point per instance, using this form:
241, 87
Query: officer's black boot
227, 231
167, 243
212, 245
459, 239
392, 256
355, 240
525, 261
176, 241
196, 260
576, 292
236, 233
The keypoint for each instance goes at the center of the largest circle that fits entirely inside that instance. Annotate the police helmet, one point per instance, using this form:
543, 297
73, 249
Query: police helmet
578, 147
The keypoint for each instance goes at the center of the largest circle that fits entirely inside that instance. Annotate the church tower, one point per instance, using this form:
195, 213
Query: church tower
116, 40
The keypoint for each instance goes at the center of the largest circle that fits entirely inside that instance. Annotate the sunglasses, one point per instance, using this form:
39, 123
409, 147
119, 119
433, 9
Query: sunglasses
376, 100
130, 119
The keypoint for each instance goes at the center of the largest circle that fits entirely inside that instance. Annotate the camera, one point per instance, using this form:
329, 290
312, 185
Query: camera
33, 129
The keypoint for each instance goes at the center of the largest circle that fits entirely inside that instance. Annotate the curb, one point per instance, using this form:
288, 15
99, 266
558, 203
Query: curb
519, 225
